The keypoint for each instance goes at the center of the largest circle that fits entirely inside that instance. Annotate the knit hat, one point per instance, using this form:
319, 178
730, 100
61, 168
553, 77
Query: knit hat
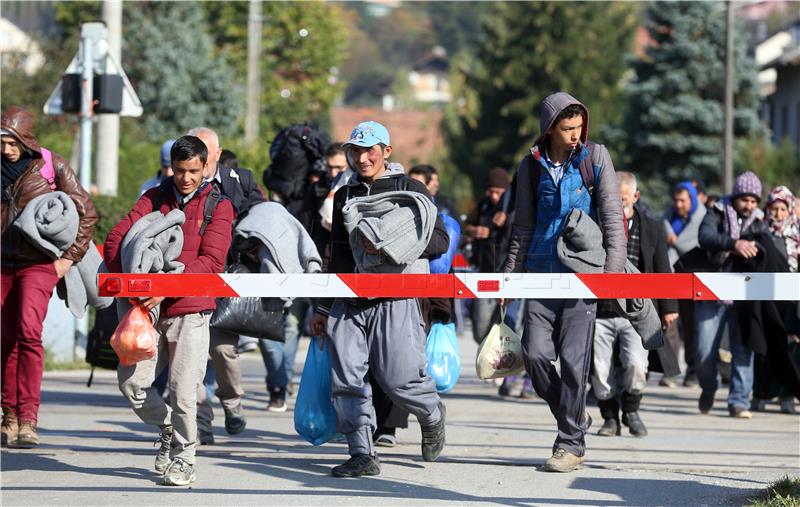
747, 184
498, 178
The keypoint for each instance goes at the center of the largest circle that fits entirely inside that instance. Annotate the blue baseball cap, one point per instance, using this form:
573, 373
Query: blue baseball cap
368, 134
165, 149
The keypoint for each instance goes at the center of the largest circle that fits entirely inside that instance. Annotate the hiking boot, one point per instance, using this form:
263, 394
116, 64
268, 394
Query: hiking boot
162, 458
433, 437
10, 427
205, 437
705, 403
234, 420
634, 424
739, 412
563, 461
179, 473
610, 428
787, 405
358, 465
28, 436
277, 400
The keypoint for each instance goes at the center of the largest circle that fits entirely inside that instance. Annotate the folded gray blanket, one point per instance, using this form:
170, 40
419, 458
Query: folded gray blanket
154, 243
79, 286
50, 222
399, 224
290, 248
580, 248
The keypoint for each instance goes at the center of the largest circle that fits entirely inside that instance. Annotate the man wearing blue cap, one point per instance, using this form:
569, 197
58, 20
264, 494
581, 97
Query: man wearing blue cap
166, 168
381, 338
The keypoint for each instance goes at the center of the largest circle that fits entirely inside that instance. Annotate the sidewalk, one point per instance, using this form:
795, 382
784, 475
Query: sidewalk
96, 452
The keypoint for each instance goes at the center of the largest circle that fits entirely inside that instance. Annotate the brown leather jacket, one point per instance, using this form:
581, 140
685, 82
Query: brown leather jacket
16, 250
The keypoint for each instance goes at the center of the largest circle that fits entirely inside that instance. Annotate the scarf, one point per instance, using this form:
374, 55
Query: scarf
788, 229
11, 172
678, 222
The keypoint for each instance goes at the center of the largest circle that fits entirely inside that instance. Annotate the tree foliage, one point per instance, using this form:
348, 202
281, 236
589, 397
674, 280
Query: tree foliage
675, 122
525, 52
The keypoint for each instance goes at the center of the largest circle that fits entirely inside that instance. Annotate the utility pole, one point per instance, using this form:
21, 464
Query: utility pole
107, 165
727, 176
254, 23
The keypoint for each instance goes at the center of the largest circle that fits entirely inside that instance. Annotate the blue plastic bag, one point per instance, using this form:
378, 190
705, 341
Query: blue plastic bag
314, 415
444, 360
441, 265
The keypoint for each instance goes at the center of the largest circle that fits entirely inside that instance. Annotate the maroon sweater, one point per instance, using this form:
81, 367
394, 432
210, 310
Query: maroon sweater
200, 254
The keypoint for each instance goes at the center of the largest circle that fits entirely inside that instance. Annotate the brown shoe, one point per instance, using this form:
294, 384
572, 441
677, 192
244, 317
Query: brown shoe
10, 426
563, 461
27, 436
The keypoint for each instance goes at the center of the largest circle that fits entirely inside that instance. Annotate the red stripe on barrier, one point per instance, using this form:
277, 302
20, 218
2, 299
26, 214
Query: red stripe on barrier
399, 285
183, 285
461, 291
700, 292
645, 285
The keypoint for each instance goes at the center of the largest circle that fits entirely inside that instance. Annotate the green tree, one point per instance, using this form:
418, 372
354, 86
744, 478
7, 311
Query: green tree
525, 52
675, 122
303, 48
169, 58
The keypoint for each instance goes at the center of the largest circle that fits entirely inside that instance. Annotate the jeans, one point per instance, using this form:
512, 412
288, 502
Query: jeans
279, 356
710, 316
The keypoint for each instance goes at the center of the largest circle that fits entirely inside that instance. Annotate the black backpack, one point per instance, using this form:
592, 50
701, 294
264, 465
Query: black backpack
294, 152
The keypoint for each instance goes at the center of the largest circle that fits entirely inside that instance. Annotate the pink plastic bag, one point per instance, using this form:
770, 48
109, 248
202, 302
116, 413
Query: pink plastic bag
135, 338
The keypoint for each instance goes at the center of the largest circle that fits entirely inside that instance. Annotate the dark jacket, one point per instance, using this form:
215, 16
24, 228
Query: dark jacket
488, 255
654, 257
200, 254
239, 186
341, 256
16, 250
717, 243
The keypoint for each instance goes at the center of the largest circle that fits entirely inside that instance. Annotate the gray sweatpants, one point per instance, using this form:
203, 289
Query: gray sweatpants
183, 342
561, 329
632, 355
225, 358
387, 342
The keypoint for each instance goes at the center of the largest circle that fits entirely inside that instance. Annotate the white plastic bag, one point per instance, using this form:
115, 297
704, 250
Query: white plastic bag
500, 353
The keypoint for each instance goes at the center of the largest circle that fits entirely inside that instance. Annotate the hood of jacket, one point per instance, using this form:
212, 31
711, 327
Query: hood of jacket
552, 105
392, 169
19, 123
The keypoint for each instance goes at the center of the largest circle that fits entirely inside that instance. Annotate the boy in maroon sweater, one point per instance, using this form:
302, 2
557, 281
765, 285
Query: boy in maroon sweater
183, 323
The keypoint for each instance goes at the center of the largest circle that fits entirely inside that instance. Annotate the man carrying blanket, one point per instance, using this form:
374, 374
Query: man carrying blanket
383, 222
183, 322
29, 271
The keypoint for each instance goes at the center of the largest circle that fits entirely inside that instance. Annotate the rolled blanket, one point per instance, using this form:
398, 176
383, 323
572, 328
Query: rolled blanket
154, 243
580, 248
50, 222
400, 224
79, 286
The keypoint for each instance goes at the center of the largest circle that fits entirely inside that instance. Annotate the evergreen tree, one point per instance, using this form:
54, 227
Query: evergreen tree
676, 121
525, 52
169, 57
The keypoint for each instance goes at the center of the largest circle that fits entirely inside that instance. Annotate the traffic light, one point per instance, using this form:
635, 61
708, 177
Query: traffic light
106, 91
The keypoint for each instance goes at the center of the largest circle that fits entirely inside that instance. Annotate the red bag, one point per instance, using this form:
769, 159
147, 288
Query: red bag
135, 338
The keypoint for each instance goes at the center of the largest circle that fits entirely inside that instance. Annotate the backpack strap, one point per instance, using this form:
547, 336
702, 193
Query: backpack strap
48, 170
214, 197
158, 200
531, 165
587, 169
401, 183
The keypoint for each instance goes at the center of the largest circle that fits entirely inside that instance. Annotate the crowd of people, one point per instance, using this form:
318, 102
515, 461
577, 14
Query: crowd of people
574, 349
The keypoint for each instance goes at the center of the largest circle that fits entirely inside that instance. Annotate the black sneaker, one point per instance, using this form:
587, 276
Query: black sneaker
234, 420
634, 424
610, 428
162, 458
277, 400
358, 465
433, 437
705, 403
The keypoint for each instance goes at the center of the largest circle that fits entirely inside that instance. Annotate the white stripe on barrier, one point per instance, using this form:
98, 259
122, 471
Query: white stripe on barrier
753, 286
527, 286
276, 285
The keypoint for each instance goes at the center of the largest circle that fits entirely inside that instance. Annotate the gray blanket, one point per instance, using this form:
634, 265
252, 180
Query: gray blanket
154, 243
400, 224
688, 239
289, 248
50, 222
580, 248
79, 286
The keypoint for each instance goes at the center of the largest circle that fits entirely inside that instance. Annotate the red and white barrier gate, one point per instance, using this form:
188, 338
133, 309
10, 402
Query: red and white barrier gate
697, 286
